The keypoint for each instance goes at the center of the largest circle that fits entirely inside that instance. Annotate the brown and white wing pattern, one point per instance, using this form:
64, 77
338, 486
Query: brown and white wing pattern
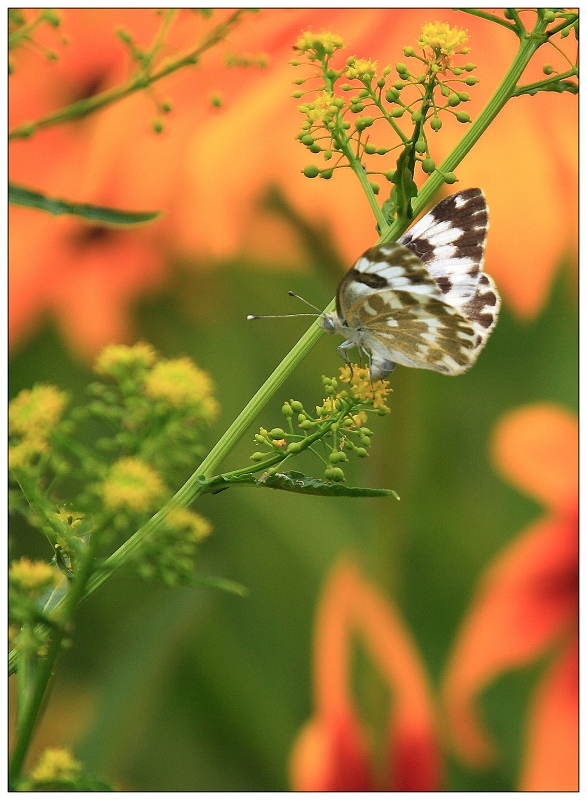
423, 301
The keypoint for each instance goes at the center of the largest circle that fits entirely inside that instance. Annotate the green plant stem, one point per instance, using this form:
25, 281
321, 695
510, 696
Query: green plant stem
139, 81
503, 93
28, 716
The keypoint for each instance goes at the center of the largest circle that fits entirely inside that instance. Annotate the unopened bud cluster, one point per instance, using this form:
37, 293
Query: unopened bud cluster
336, 430
411, 97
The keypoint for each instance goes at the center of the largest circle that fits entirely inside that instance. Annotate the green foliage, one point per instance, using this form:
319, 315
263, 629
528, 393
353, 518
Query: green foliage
28, 198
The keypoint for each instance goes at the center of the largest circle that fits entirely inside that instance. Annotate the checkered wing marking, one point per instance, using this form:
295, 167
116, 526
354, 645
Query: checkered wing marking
415, 330
450, 242
385, 266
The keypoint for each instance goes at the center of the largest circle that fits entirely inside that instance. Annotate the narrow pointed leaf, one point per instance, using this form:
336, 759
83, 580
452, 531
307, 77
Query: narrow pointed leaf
21, 196
294, 482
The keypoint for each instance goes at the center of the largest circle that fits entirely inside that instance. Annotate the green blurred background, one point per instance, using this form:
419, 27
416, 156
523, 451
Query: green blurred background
200, 690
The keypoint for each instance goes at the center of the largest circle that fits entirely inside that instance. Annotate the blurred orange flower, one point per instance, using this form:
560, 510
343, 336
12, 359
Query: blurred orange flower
332, 751
527, 606
210, 168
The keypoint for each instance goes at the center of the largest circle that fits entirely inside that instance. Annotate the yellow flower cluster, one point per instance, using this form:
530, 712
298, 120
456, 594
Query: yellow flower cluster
32, 577
323, 108
443, 40
132, 485
34, 412
32, 415
361, 68
363, 388
56, 764
115, 357
192, 524
181, 384
317, 45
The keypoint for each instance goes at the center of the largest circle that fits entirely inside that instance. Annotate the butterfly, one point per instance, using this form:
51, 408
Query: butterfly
423, 301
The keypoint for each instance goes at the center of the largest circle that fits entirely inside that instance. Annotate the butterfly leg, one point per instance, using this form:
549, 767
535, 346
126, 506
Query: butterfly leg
341, 350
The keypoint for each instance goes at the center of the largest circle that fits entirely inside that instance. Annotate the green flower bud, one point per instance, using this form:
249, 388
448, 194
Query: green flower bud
346, 87
260, 439
417, 116
445, 90
471, 80
420, 146
549, 15
547, 69
391, 95
336, 474
380, 83
401, 68
307, 139
294, 447
326, 174
374, 187
389, 176
297, 95
311, 171
450, 177
286, 410
436, 124
364, 122
370, 149
409, 51
307, 424
470, 67
157, 126
314, 148
397, 112
399, 85
277, 433
462, 116
297, 407
454, 100
428, 166
361, 452
463, 97
382, 151
259, 456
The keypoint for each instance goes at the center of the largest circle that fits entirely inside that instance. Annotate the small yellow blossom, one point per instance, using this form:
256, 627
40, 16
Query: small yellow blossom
56, 764
132, 485
318, 45
119, 358
443, 40
194, 525
34, 412
181, 384
322, 109
363, 388
21, 455
32, 577
361, 68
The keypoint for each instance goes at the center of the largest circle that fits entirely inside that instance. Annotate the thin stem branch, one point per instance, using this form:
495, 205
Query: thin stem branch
139, 81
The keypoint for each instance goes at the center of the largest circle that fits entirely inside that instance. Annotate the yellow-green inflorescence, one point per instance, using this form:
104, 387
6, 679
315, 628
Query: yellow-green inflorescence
341, 111
338, 426
113, 459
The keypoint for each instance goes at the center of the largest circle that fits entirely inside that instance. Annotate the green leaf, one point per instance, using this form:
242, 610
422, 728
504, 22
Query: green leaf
293, 482
553, 86
21, 196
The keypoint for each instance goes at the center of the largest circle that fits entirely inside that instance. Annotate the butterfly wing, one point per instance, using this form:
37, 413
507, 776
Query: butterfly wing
415, 330
450, 242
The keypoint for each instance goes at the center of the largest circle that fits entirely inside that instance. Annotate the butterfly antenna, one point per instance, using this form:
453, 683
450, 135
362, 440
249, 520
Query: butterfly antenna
283, 316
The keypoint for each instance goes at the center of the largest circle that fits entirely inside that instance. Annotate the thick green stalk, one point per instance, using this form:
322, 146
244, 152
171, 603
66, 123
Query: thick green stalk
503, 93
